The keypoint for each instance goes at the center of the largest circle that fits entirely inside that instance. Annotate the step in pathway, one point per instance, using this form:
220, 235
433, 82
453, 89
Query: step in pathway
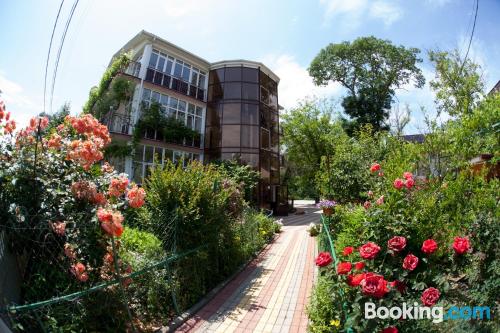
271, 293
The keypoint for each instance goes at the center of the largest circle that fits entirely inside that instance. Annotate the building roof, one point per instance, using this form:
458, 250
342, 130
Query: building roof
416, 138
495, 89
144, 35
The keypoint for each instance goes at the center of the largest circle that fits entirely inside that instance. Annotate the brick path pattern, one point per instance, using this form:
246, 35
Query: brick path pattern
271, 293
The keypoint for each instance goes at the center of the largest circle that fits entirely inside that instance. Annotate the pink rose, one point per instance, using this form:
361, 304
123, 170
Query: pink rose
398, 184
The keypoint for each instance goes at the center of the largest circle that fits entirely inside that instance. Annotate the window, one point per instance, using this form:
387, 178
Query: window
250, 114
249, 136
233, 74
232, 90
232, 113
264, 138
178, 69
216, 76
153, 60
250, 74
250, 159
250, 91
231, 136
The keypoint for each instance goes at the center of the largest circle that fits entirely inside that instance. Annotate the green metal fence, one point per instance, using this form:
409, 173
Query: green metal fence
326, 243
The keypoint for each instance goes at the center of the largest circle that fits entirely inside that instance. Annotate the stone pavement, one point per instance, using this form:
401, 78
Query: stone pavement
271, 293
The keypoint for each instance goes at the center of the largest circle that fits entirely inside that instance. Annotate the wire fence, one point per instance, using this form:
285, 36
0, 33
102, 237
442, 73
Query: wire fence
326, 243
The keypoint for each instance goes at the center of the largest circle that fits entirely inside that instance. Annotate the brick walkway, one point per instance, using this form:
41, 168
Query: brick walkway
271, 293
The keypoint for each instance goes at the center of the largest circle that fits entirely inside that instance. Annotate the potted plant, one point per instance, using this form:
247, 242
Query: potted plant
327, 206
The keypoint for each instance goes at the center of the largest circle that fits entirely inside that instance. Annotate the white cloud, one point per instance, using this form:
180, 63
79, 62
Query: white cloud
295, 82
17, 102
386, 12
350, 14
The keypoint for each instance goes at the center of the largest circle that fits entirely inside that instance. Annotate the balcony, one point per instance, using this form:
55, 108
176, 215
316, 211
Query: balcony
133, 68
175, 84
118, 123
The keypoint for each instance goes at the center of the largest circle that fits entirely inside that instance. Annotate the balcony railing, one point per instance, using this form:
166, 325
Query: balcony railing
118, 123
133, 68
174, 83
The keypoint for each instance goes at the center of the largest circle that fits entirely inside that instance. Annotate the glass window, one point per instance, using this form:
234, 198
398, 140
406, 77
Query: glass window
161, 63
216, 76
197, 125
264, 138
182, 105
215, 92
178, 69
233, 74
199, 111
173, 102
232, 90
185, 73
139, 151
249, 136
155, 97
168, 155
137, 170
201, 82
190, 121
168, 68
250, 114
232, 113
231, 135
153, 60
148, 154
250, 91
164, 100
214, 115
250, 159
146, 94
194, 78
250, 74
191, 108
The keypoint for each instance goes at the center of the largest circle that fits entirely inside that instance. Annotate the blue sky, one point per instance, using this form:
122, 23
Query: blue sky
284, 34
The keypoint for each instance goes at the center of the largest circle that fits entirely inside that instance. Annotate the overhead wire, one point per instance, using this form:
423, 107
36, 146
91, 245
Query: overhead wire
68, 22
48, 55
471, 35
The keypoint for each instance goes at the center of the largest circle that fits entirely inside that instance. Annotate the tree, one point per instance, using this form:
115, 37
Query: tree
306, 130
458, 83
400, 118
371, 70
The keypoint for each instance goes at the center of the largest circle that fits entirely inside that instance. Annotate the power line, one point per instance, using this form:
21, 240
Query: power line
60, 50
471, 35
48, 54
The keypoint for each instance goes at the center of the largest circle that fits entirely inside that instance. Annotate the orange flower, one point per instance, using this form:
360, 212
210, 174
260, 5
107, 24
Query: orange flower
58, 227
111, 222
118, 186
78, 270
54, 141
135, 197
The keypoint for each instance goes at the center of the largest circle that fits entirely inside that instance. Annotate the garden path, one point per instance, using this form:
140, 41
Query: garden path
271, 293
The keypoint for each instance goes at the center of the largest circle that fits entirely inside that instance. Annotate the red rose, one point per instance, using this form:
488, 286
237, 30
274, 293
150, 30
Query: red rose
381, 174
407, 175
396, 243
410, 262
369, 250
375, 167
399, 285
355, 280
430, 296
367, 204
429, 246
398, 184
344, 268
409, 183
374, 285
391, 329
461, 245
324, 259
359, 265
347, 250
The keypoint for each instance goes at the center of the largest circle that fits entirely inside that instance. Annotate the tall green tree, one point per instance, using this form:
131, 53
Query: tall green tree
371, 70
458, 83
306, 131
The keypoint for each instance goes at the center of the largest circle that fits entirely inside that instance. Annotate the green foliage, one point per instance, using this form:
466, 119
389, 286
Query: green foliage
458, 84
101, 98
171, 129
140, 248
242, 174
324, 308
306, 131
371, 70
116, 149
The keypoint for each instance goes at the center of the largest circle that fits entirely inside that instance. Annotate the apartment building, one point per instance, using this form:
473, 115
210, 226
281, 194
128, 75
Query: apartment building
232, 105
